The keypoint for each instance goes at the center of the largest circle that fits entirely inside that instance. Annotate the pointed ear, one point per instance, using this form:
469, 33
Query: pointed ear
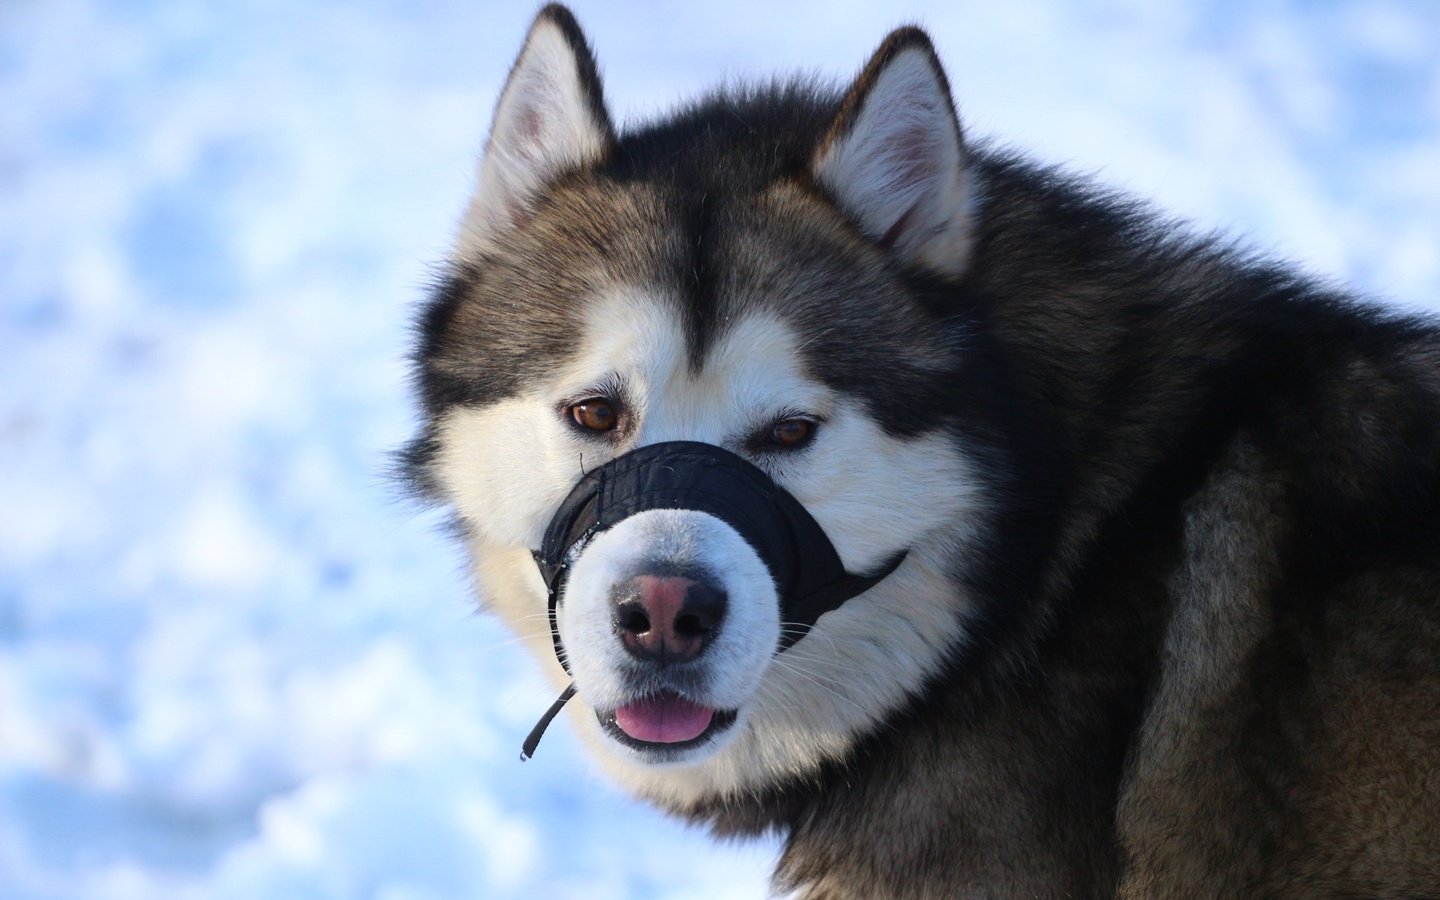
551, 119
894, 160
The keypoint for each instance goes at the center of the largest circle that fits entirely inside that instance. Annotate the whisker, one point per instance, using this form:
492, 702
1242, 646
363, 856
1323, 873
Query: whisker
812, 678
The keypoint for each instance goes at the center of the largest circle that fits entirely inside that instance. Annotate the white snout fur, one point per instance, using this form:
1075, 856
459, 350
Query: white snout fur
735, 660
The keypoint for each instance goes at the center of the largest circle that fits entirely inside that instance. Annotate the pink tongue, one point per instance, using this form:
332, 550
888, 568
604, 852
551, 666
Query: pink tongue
666, 719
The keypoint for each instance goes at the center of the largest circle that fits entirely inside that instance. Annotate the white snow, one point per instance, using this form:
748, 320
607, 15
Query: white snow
232, 663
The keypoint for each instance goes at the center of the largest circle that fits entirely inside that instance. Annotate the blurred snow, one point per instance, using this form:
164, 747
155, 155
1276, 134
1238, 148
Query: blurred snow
232, 663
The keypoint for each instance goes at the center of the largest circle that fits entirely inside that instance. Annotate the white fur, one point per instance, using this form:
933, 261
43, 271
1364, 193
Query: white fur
543, 125
902, 159
735, 660
507, 466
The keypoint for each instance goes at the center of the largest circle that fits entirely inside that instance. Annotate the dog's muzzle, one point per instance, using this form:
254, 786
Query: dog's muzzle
809, 577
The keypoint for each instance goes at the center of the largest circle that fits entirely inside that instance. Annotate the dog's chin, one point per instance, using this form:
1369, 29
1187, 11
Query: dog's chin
667, 728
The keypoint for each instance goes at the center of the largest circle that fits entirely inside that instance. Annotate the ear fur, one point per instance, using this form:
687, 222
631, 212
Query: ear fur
894, 160
550, 119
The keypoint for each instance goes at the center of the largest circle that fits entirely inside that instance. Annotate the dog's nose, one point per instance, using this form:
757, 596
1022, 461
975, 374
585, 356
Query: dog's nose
666, 618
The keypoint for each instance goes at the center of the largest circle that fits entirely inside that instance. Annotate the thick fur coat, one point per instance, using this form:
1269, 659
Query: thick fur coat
1169, 623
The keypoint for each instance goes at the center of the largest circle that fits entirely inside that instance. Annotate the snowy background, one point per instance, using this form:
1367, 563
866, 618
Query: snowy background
233, 664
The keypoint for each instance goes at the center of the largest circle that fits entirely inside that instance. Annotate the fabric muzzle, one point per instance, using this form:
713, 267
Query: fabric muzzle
809, 577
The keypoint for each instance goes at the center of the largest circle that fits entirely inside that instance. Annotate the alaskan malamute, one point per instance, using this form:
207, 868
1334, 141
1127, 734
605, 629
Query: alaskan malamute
979, 529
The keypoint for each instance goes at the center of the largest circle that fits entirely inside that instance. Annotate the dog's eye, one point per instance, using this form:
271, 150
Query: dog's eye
792, 434
594, 414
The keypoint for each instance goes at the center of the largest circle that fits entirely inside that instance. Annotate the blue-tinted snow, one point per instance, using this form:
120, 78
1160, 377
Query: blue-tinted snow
232, 665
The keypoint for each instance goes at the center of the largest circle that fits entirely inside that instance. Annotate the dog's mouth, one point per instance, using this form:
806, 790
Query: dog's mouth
664, 722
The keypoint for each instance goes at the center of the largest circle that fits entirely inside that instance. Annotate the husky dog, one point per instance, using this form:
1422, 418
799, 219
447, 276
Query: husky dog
977, 529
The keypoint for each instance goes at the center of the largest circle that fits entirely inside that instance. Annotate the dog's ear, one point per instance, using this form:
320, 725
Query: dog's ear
550, 119
893, 159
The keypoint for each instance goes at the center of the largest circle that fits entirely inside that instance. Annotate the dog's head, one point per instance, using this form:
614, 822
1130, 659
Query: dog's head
756, 275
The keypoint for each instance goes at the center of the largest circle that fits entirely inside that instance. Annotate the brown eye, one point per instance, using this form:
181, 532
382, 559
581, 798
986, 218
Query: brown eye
792, 433
596, 414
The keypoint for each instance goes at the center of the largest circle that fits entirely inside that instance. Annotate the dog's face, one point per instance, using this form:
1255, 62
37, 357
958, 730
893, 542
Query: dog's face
601, 303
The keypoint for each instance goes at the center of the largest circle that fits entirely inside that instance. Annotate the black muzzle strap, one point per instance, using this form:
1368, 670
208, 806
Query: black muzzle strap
809, 576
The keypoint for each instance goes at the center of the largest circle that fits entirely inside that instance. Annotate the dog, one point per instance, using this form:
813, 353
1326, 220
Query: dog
979, 530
